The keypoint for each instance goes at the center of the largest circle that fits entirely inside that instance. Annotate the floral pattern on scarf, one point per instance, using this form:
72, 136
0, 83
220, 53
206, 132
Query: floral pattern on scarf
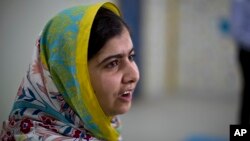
40, 111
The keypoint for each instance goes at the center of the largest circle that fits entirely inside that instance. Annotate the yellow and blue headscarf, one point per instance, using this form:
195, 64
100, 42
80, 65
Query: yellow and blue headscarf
55, 99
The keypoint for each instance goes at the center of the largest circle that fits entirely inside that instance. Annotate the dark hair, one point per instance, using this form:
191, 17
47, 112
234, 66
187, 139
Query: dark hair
105, 26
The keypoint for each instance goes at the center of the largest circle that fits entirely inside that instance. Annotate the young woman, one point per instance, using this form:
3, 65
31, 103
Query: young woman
81, 77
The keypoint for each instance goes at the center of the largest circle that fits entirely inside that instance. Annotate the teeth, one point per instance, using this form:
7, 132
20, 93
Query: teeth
126, 93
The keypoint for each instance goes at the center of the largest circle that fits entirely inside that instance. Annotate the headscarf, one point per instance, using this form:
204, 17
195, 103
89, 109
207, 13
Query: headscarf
55, 100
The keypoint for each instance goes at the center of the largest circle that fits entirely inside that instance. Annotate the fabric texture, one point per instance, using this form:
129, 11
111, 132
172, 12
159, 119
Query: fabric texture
55, 100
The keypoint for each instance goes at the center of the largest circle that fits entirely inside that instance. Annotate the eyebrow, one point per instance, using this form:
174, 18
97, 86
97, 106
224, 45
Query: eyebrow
120, 55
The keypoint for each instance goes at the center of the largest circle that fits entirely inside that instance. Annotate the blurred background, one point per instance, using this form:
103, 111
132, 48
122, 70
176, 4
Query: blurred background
190, 82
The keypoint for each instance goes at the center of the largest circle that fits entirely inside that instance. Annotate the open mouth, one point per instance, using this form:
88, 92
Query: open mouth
126, 94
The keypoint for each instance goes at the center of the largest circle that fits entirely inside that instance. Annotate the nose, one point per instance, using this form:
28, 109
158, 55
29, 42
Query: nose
131, 73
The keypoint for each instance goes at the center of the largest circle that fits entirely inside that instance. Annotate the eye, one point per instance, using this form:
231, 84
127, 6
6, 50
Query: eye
112, 64
131, 57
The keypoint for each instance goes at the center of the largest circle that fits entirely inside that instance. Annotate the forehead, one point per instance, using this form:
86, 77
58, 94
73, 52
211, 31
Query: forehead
118, 44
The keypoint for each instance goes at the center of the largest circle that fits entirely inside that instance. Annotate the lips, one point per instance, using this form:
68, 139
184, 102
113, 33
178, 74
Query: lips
126, 95
126, 92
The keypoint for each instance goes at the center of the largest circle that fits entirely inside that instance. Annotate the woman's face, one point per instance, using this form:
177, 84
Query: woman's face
114, 74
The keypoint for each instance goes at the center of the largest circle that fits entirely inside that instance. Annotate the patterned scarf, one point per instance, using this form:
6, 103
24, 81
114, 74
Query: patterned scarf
55, 100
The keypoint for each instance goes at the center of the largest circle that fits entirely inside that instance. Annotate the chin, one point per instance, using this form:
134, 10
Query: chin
121, 110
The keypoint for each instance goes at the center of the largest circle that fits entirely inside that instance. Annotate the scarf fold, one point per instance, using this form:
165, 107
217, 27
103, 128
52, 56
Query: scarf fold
55, 100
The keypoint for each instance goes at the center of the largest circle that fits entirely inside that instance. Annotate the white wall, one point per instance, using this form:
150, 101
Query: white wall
206, 58
153, 48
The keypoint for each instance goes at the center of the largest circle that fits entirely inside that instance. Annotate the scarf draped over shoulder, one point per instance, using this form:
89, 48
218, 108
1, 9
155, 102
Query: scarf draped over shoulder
55, 100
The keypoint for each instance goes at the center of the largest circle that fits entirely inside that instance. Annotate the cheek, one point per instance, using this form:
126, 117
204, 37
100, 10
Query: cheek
110, 83
106, 86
